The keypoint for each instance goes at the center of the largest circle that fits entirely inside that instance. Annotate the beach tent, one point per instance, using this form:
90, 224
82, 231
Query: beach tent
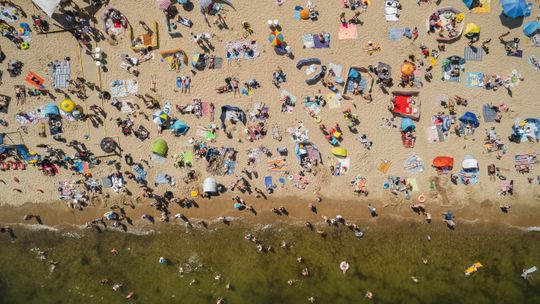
48, 6
231, 113
515, 8
210, 185
407, 125
470, 118
530, 28
180, 127
51, 110
469, 163
160, 147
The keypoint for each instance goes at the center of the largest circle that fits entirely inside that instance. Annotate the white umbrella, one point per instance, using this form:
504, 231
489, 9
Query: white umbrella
48, 6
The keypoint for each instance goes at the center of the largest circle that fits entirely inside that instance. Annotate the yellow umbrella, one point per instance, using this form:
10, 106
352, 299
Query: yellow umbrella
472, 28
67, 105
407, 69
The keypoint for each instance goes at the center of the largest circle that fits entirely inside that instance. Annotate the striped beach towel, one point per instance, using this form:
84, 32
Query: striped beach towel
60, 71
473, 53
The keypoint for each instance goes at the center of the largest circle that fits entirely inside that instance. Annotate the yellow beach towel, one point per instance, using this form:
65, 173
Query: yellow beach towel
483, 8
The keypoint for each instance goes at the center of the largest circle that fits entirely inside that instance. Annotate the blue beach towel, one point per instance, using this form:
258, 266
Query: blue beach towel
475, 79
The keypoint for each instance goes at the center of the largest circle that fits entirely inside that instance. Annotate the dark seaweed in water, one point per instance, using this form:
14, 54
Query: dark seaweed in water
383, 262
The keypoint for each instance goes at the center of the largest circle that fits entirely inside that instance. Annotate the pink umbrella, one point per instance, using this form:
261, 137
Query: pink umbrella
163, 4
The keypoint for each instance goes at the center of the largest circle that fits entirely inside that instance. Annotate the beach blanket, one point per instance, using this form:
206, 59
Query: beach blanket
338, 70
396, 33
60, 71
238, 44
489, 113
473, 53
342, 167
127, 106
312, 41
384, 166
121, 88
347, 31
8, 14
187, 157
483, 8
431, 134
333, 101
414, 164
475, 79
517, 54
412, 181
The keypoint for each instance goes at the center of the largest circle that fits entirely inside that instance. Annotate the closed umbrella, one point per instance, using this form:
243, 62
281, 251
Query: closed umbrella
276, 38
163, 4
515, 8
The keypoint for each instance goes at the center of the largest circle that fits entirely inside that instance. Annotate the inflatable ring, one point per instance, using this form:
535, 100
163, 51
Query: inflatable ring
502, 177
58, 123
317, 119
421, 198
20, 31
25, 45
290, 177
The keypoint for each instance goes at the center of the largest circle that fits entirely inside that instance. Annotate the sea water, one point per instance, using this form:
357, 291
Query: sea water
383, 262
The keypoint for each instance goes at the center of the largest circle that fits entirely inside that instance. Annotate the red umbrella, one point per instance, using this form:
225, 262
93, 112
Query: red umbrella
163, 4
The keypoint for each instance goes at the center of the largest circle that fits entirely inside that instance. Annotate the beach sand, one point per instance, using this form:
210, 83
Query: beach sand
386, 142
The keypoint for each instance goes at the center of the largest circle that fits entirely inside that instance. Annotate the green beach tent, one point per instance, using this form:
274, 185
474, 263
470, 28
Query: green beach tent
160, 147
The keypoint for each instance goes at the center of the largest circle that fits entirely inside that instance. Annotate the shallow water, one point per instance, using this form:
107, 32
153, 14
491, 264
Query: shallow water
383, 262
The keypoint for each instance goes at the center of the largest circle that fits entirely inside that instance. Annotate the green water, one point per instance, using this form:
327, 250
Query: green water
383, 262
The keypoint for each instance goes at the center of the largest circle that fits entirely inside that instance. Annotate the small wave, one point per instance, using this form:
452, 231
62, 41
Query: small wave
37, 227
533, 228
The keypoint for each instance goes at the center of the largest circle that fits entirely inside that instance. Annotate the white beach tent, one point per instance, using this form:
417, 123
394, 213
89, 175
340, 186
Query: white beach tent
48, 6
210, 185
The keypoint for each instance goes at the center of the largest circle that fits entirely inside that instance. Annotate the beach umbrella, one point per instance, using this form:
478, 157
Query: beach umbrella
67, 105
530, 28
163, 4
276, 38
472, 29
515, 8
51, 109
48, 6
160, 147
161, 118
407, 69
108, 145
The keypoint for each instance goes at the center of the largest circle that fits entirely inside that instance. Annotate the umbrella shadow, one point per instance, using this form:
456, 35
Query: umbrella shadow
511, 23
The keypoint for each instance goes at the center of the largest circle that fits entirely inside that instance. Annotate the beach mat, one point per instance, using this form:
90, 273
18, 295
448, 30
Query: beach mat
475, 79
431, 134
60, 71
347, 31
396, 34
519, 54
333, 101
483, 8
473, 53
489, 113
319, 44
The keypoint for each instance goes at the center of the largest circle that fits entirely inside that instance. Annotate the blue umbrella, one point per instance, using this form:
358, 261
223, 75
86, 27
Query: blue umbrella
470, 118
51, 109
530, 28
180, 127
515, 8
468, 3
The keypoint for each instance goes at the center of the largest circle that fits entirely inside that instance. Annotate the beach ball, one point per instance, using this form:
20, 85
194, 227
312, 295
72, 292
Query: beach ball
304, 14
194, 193
25, 45
67, 105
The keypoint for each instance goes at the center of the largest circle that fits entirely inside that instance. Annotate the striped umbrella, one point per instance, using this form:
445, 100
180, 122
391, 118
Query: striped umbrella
276, 38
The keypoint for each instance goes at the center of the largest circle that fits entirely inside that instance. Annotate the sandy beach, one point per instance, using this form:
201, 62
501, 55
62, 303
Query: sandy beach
372, 164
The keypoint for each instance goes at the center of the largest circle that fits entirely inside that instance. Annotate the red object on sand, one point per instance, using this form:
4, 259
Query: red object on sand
402, 105
33, 79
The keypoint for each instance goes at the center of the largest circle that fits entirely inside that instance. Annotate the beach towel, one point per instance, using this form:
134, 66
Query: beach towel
475, 79
534, 62
414, 164
391, 11
412, 181
473, 53
237, 44
347, 31
517, 54
60, 71
187, 157
483, 8
342, 166
384, 166
268, 182
396, 33
431, 134
333, 101
121, 88
320, 45
338, 70
489, 113
161, 179
218, 63
308, 41
205, 107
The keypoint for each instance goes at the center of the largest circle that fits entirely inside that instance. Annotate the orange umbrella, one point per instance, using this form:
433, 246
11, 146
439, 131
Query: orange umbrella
304, 14
407, 69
